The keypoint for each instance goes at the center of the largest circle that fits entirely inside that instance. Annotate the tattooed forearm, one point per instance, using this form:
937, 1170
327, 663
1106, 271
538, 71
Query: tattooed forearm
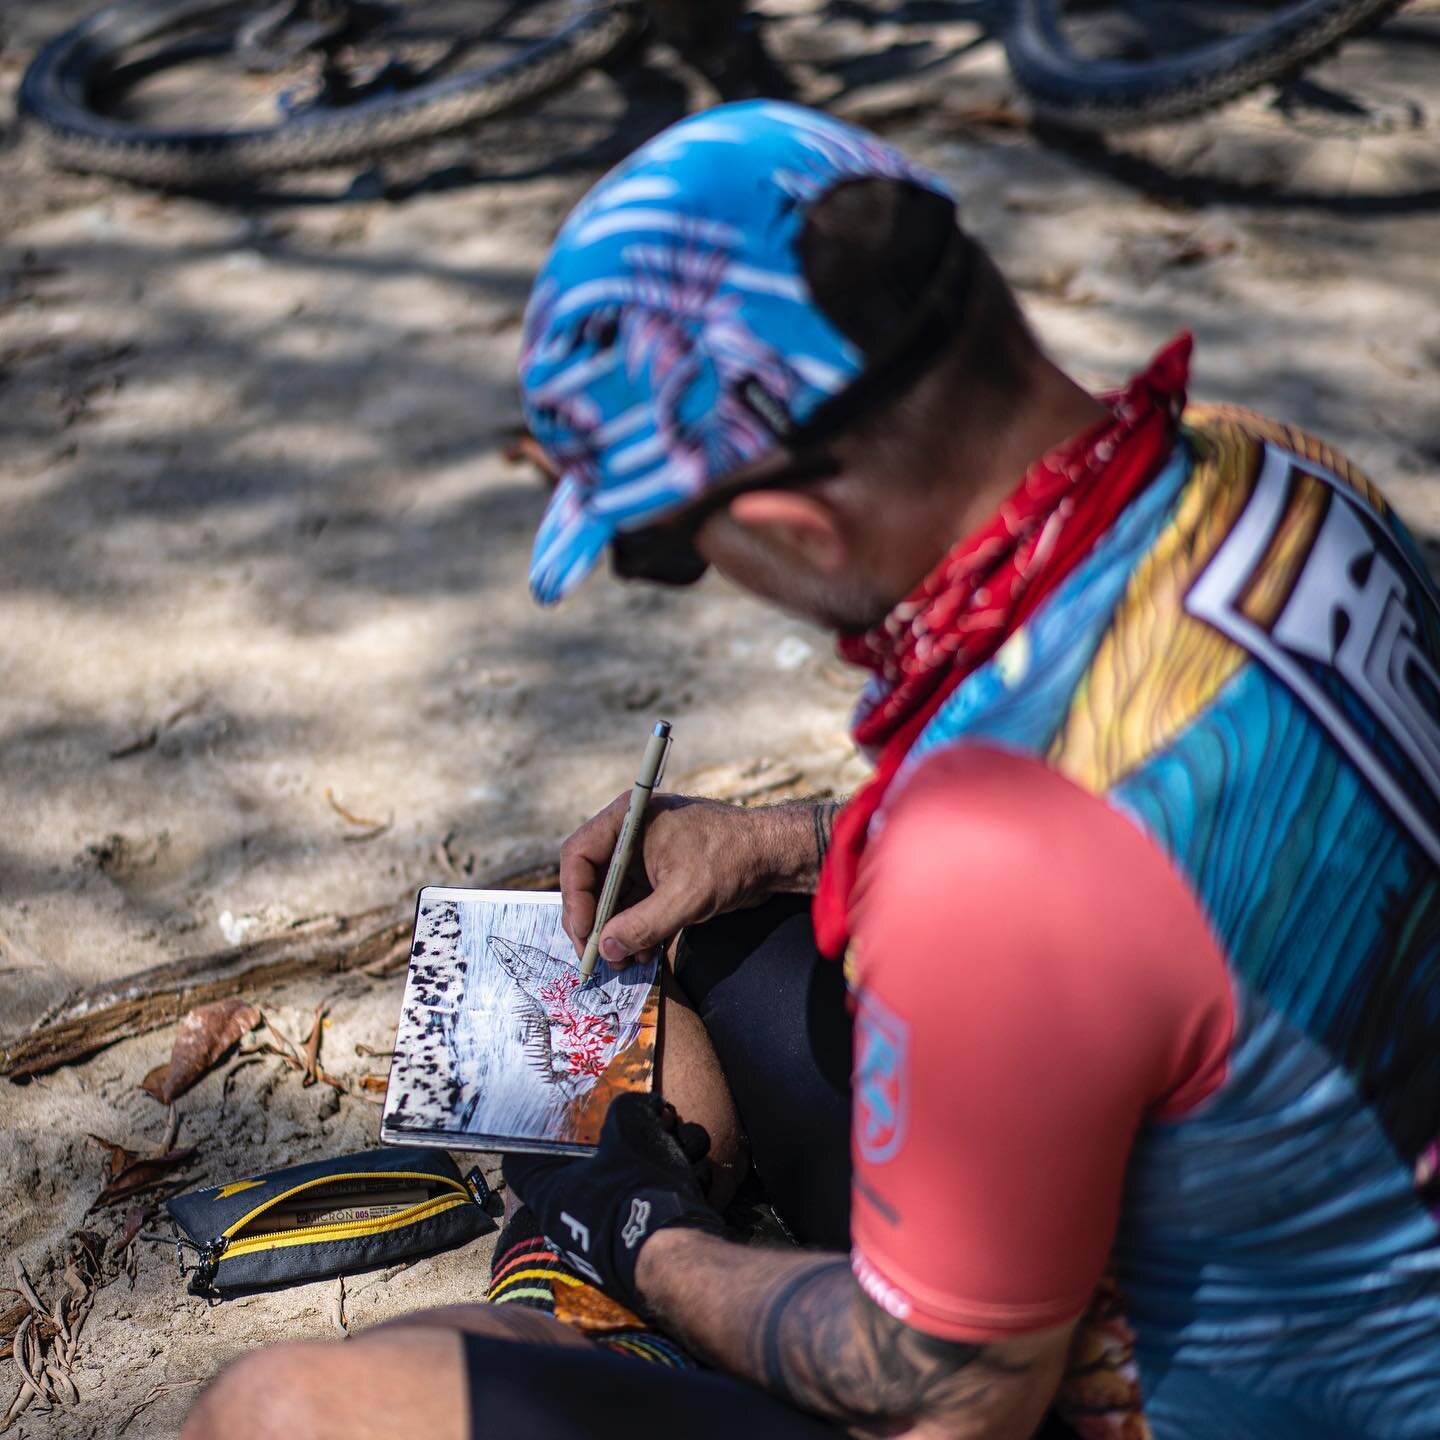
800, 1326
825, 1347
823, 817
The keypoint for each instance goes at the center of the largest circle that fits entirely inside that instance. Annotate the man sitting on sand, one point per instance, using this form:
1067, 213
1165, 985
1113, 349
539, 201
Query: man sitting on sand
1138, 914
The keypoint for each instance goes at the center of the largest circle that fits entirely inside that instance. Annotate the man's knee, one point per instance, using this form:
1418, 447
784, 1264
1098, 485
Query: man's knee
260, 1392
339, 1390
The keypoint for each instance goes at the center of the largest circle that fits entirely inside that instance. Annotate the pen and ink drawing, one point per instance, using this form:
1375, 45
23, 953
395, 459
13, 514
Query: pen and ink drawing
573, 1027
497, 1034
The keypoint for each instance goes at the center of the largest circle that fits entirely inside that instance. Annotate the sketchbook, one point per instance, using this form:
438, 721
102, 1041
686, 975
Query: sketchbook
499, 1045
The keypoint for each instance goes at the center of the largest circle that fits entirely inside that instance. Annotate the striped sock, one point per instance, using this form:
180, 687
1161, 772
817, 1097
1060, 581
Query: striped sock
526, 1271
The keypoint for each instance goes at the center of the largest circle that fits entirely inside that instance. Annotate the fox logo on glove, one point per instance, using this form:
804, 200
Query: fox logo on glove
635, 1226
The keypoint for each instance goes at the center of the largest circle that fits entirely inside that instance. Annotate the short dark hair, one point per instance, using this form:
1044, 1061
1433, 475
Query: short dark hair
870, 249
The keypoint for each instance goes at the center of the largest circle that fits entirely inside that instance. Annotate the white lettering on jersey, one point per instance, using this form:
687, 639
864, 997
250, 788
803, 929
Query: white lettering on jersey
1354, 609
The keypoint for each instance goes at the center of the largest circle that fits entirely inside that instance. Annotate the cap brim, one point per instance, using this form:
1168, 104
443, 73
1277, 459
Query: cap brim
568, 544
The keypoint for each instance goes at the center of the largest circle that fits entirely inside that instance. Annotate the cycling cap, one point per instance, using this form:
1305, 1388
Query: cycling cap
672, 336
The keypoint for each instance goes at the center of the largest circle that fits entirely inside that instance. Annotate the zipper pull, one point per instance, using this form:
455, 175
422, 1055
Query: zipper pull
479, 1190
202, 1273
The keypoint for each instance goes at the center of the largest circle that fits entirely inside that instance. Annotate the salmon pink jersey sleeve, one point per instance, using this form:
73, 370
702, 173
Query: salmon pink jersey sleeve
1033, 982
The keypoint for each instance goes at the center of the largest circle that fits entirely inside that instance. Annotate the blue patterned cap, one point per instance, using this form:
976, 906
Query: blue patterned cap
671, 336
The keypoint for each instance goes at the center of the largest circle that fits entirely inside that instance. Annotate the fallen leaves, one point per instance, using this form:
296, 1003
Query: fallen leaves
129, 1174
306, 1056
42, 1340
206, 1034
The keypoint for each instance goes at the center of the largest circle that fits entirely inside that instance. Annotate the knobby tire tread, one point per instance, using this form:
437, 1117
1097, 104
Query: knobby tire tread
1068, 90
79, 138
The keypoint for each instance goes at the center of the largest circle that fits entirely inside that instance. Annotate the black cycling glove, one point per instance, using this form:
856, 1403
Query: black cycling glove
596, 1210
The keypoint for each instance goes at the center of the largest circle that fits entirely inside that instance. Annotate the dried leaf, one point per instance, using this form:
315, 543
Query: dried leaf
286, 1050
27, 1290
375, 1084
120, 1157
20, 1354
11, 1318
24, 1398
10, 1321
312, 1045
136, 1218
142, 1175
78, 1289
91, 1245
61, 1385
206, 1033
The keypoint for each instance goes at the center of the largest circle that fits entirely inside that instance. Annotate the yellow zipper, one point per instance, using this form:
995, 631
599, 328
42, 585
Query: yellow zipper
344, 1229
348, 1226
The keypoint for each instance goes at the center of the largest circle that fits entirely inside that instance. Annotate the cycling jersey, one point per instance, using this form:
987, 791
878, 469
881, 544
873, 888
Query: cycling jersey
1146, 956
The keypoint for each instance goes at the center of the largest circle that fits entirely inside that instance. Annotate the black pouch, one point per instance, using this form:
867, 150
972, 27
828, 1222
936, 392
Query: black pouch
330, 1217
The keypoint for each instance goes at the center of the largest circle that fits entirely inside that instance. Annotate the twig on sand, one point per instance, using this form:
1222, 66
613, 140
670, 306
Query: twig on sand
147, 739
372, 828
155, 1393
136, 1004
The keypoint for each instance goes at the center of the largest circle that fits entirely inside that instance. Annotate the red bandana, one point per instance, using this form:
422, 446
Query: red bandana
986, 587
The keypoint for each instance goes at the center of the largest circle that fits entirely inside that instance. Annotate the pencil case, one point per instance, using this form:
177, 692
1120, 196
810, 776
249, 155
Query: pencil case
330, 1217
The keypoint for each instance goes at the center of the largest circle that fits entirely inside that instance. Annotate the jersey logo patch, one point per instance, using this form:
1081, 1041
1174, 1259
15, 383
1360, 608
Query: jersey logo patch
882, 1081
1354, 640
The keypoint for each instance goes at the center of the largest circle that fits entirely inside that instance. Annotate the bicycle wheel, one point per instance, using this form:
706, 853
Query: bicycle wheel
154, 90
1110, 66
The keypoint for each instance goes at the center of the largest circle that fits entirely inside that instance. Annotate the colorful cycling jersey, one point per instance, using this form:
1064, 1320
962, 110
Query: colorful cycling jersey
1147, 960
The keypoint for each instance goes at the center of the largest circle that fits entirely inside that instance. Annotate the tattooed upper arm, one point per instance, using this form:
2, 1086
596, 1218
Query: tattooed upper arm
825, 1346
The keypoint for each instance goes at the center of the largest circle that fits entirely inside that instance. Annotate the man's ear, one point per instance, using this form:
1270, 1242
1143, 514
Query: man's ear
800, 525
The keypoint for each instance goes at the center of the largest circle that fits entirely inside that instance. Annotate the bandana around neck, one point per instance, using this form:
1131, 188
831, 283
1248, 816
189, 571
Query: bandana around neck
985, 588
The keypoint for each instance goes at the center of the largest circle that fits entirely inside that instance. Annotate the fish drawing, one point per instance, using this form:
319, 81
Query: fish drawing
574, 1030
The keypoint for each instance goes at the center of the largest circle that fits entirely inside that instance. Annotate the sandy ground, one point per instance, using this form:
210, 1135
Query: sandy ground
252, 499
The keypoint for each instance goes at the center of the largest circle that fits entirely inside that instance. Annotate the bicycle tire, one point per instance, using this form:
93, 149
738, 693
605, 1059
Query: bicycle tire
1070, 90
54, 101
